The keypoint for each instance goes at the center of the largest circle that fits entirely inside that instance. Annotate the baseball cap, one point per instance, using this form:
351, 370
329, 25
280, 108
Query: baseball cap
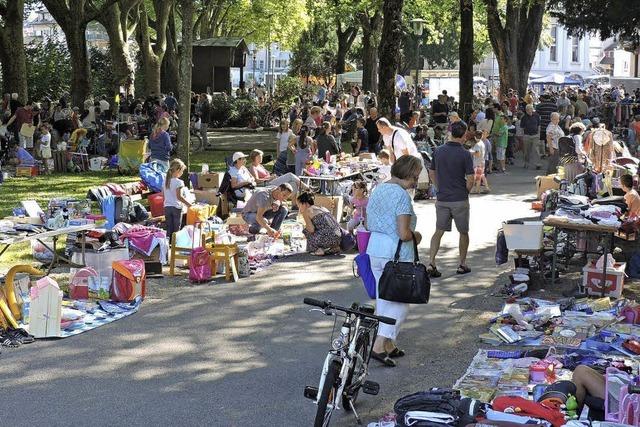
238, 155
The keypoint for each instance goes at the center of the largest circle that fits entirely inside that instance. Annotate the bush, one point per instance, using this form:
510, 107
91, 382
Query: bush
244, 110
222, 109
288, 90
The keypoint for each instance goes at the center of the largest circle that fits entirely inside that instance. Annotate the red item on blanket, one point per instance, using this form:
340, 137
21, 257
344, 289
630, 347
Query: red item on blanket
528, 408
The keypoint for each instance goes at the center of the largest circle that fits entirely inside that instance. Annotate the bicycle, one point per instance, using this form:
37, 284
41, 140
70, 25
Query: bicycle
345, 368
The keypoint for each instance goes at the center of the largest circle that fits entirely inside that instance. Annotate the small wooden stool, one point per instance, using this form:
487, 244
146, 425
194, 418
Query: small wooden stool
227, 254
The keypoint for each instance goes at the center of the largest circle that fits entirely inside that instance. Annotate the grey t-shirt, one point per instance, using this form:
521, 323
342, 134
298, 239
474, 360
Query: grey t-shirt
452, 163
261, 198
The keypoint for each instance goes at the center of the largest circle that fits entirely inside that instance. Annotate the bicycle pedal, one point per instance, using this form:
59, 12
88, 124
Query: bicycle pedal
311, 392
370, 387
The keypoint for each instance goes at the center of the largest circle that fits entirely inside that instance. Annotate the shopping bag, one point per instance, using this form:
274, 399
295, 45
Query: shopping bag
199, 260
363, 264
27, 130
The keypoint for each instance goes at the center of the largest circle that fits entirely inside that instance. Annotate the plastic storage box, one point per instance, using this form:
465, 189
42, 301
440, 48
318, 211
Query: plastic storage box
523, 234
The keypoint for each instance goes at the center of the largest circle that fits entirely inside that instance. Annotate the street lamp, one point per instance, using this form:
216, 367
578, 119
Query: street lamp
417, 26
252, 53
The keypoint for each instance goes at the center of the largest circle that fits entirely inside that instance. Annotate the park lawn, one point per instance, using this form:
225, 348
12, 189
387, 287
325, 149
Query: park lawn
72, 185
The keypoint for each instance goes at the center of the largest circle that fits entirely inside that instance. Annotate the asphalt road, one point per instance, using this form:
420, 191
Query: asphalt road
240, 354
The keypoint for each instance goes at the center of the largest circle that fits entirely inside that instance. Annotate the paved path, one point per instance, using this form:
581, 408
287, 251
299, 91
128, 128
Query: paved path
240, 354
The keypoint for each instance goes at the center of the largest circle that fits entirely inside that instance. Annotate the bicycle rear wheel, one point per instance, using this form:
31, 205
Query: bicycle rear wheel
329, 390
196, 143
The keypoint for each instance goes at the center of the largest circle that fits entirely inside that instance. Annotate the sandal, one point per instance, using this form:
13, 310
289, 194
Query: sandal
396, 352
463, 269
433, 271
383, 358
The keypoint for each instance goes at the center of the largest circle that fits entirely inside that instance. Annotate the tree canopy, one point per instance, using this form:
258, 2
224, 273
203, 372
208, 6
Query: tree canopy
609, 18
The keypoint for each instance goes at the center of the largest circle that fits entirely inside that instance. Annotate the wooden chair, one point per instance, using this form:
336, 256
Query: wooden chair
178, 252
228, 254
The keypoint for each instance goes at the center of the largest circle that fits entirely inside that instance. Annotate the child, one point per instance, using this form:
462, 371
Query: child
174, 202
631, 197
478, 153
384, 171
21, 157
337, 134
45, 147
359, 202
361, 143
488, 157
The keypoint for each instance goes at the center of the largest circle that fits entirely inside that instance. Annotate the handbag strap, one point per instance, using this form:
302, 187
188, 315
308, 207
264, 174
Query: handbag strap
416, 259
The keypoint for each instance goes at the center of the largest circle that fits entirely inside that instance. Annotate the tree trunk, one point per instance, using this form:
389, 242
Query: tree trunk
390, 51
152, 54
184, 83
515, 42
14, 66
80, 67
370, 39
115, 19
170, 69
466, 58
345, 40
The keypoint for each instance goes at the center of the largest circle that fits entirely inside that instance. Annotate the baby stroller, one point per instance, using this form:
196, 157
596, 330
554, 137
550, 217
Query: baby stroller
131, 155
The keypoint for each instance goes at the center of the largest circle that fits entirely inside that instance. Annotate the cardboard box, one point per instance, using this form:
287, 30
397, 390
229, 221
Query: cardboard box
592, 280
26, 170
24, 220
544, 183
210, 180
334, 204
208, 196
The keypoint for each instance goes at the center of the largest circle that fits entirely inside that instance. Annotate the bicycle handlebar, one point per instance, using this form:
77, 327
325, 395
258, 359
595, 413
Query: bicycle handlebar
328, 304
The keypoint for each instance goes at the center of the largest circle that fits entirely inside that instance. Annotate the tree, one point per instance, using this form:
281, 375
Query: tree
390, 55
120, 22
608, 17
515, 38
48, 68
184, 84
170, 69
103, 79
314, 54
466, 58
73, 16
14, 74
153, 50
371, 23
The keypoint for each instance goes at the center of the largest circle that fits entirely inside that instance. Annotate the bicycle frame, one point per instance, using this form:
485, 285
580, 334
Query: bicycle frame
347, 358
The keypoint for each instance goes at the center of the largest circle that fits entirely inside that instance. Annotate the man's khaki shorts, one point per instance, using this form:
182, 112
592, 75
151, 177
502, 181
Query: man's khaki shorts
458, 211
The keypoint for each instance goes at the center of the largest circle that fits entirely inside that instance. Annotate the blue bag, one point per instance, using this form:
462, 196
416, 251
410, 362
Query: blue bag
363, 269
152, 176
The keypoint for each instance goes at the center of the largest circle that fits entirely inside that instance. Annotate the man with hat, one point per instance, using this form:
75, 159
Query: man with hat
265, 209
241, 178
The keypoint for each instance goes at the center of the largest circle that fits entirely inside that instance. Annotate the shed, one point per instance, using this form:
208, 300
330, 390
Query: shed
212, 62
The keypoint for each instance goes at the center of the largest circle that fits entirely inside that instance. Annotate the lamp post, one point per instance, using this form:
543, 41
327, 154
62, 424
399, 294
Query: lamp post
269, 82
252, 53
417, 26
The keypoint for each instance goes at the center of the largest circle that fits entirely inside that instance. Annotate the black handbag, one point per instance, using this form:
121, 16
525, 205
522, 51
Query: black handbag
406, 282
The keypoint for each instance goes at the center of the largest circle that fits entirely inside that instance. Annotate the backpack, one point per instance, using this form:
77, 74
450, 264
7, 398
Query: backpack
129, 280
140, 213
124, 209
152, 176
440, 404
79, 284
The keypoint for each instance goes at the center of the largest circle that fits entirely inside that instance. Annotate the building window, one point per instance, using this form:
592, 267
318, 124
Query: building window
575, 49
553, 46
261, 65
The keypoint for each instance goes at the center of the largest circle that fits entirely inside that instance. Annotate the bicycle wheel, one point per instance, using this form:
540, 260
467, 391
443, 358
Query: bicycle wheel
362, 349
329, 390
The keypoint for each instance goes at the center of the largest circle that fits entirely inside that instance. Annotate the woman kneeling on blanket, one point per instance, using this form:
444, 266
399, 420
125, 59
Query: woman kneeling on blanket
321, 228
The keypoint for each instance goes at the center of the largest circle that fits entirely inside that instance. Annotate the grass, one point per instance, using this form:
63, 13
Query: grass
44, 188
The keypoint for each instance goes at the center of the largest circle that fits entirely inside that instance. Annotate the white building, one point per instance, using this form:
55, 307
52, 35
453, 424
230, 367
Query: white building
40, 26
257, 62
563, 54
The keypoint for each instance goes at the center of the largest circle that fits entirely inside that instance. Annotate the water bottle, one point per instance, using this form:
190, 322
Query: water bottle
26, 308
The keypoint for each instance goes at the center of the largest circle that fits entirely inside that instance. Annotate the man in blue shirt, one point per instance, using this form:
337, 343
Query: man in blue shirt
452, 173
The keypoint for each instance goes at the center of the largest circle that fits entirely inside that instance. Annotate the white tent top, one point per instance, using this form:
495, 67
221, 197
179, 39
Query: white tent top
350, 77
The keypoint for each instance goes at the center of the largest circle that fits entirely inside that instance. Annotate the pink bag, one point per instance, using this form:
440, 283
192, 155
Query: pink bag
199, 262
129, 280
